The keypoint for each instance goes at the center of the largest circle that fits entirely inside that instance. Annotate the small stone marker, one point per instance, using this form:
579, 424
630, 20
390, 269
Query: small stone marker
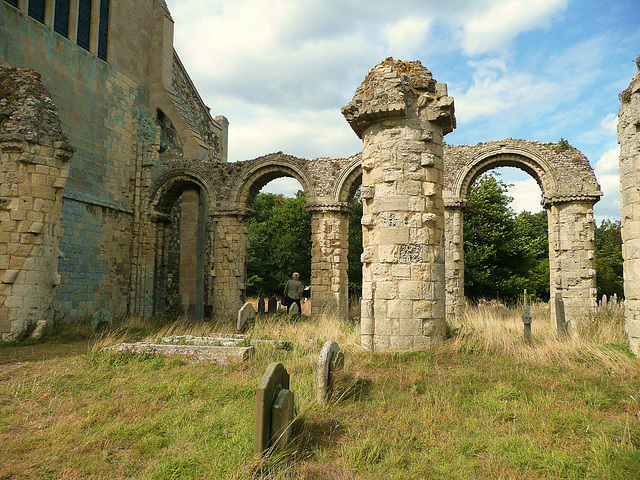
562, 325
331, 359
246, 313
261, 306
526, 319
294, 310
273, 305
273, 400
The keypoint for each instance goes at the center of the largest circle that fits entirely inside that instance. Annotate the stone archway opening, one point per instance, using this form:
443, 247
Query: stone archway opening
505, 232
182, 248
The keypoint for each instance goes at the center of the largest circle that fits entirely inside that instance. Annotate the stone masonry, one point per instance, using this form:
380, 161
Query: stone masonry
34, 165
401, 114
629, 139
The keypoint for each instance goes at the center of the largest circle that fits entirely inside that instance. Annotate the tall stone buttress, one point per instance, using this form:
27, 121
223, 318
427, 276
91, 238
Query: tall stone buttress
401, 113
629, 139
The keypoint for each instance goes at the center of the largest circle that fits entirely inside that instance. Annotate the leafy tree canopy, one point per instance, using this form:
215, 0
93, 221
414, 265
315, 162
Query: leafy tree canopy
609, 258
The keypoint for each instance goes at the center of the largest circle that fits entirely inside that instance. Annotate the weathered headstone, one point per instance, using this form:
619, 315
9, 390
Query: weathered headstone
273, 305
562, 324
246, 313
526, 319
604, 300
294, 310
270, 400
261, 306
331, 359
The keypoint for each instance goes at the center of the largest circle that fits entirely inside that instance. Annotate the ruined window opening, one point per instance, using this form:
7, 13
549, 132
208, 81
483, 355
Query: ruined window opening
103, 29
84, 23
61, 17
12, 2
36, 10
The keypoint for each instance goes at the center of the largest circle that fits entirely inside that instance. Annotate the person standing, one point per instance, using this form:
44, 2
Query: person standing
293, 292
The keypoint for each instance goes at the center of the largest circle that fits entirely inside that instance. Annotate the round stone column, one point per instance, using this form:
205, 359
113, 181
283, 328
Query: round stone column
401, 114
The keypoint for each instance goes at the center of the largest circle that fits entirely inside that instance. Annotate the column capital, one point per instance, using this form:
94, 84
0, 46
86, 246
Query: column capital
343, 207
586, 198
453, 203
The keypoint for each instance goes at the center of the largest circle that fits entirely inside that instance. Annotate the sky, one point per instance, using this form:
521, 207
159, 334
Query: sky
280, 70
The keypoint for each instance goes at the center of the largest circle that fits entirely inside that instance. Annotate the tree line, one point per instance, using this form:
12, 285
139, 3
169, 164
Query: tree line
505, 252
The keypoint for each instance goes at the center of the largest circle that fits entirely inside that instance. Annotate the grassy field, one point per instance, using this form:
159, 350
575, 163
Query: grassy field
482, 405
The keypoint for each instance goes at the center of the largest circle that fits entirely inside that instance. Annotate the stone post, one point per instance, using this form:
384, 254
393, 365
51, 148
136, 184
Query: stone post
572, 258
401, 114
454, 257
329, 260
192, 228
231, 240
629, 139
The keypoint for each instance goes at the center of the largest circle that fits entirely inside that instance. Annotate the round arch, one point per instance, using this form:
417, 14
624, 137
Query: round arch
169, 186
260, 172
349, 181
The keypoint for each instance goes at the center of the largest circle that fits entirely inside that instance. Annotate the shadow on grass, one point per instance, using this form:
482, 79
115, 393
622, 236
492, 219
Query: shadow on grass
347, 387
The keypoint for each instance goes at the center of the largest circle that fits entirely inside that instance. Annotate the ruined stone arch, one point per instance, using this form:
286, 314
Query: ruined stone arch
569, 191
261, 171
169, 186
349, 181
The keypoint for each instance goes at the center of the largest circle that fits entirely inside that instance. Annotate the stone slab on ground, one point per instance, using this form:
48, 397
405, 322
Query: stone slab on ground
331, 359
274, 381
246, 313
218, 340
191, 353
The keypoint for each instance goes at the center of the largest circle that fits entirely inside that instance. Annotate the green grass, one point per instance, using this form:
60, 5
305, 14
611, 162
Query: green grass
476, 407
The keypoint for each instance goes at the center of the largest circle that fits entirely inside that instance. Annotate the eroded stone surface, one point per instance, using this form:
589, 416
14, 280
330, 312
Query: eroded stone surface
274, 381
331, 359
191, 353
629, 139
246, 313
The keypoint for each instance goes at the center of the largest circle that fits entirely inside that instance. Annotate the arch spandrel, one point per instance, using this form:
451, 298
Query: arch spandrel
349, 180
562, 174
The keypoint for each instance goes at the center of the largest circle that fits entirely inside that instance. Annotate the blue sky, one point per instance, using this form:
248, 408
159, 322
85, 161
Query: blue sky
280, 70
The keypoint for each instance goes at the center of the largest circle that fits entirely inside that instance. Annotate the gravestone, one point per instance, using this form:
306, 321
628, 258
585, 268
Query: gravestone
526, 318
274, 409
562, 324
246, 313
331, 359
273, 305
294, 310
261, 306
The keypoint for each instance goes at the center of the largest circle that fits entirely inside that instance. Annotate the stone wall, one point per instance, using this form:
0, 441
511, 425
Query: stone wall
629, 139
34, 165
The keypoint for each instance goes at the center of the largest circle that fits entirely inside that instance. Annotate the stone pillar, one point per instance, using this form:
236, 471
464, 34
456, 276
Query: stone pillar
33, 174
161, 227
401, 114
572, 258
454, 258
329, 262
629, 139
231, 241
192, 227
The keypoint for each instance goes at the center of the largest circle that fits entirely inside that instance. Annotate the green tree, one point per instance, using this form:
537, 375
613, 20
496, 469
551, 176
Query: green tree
355, 247
501, 250
608, 243
279, 243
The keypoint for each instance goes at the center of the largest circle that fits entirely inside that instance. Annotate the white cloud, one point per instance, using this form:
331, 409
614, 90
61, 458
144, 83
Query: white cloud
526, 196
606, 170
506, 19
406, 36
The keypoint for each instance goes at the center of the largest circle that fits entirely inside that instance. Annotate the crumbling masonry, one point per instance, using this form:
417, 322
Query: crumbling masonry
629, 139
149, 218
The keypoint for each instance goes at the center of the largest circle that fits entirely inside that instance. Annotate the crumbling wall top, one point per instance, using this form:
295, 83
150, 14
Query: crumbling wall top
26, 109
386, 89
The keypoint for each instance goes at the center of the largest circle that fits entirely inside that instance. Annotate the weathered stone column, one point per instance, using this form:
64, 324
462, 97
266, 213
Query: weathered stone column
329, 260
454, 257
401, 114
629, 139
231, 241
192, 227
572, 257
34, 168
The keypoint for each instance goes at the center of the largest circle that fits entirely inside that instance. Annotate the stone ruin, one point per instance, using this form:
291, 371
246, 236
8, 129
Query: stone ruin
414, 193
629, 139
